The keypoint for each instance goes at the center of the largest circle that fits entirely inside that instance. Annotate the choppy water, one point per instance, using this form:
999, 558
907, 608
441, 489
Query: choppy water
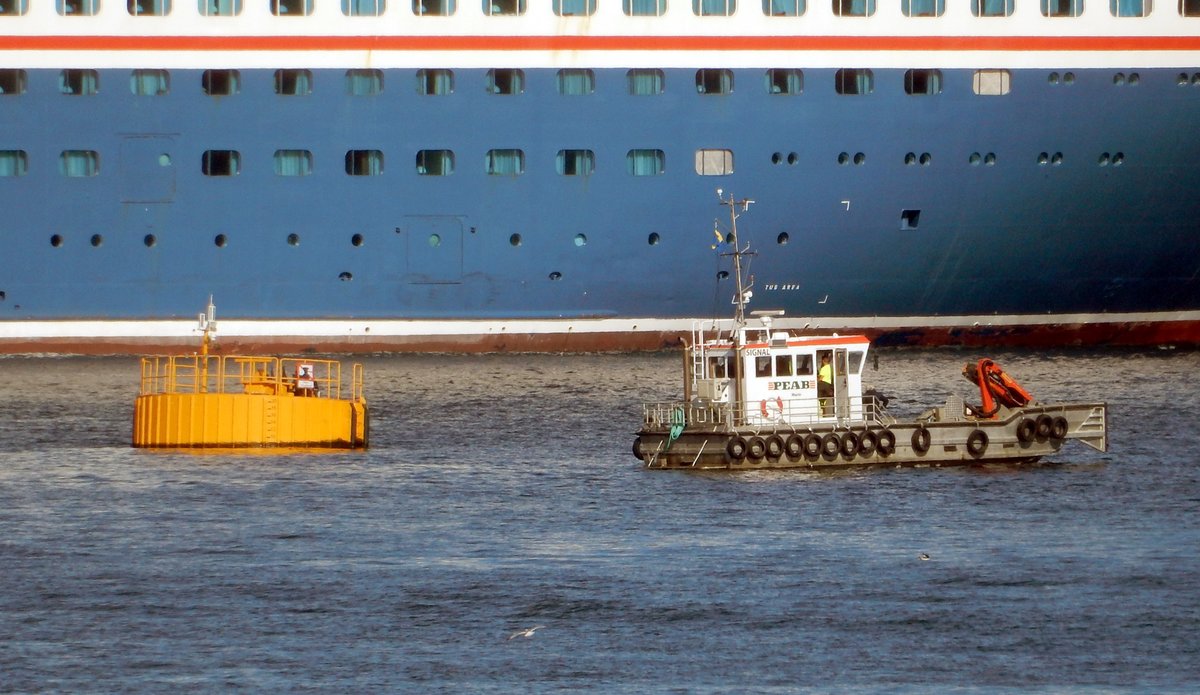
500, 494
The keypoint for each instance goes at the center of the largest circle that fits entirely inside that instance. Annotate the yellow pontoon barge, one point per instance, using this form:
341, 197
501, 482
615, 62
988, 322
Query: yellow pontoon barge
236, 402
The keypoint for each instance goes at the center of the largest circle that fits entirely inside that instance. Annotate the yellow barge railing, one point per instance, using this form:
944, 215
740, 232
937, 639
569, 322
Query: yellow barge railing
233, 401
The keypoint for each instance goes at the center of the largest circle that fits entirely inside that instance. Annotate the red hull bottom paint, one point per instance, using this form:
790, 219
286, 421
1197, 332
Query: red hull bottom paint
1182, 334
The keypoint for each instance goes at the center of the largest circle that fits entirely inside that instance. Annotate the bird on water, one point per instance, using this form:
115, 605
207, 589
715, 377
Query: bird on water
528, 632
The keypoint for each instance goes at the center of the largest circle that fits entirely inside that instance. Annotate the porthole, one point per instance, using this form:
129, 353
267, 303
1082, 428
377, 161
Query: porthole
1104, 159
435, 240
782, 239
97, 240
860, 158
1134, 79
1053, 78
1182, 79
56, 240
164, 160
989, 159
723, 275
149, 240
219, 241
926, 159
556, 275
515, 240
793, 158
357, 240
653, 239
1119, 78
580, 240
1068, 78
843, 158
1043, 157
293, 239
1118, 159
1056, 158
776, 158
910, 158
345, 276
974, 159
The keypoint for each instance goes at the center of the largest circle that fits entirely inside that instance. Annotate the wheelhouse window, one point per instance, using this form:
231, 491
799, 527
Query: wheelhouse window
1130, 8
13, 162
435, 162
72, 8
574, 8
363, 8
435, 82
784, 81
714, 81
14, 8
854, 81
219, 83
923, 8
575, 162
79, 82
291, 8
991, 82
364, 162
149, 8
714, 162
575, 82
923, 82
433, 8
854, 8
220, 8
783, 365
784, 8
1189, 8
762, 366
75, 163
644, 8
645, 162
293, 83
504, 163
149, 83
714, 8
992, 8
221, 163
496, 8
364, 83
12, 81
648, 81
293, 162
506, 81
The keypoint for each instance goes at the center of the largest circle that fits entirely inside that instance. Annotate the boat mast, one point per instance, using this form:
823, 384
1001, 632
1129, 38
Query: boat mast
743, 292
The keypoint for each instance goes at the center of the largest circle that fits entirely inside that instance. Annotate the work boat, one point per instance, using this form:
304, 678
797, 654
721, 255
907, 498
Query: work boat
206, 401
753, 398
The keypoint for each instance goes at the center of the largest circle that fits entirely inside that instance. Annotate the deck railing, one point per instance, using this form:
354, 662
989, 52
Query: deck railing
249, 375
796, 413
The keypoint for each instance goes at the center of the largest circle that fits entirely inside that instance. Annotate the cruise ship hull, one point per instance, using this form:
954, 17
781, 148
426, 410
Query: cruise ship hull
1061, 213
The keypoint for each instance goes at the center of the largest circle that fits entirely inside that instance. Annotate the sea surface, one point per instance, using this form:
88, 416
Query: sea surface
500, 494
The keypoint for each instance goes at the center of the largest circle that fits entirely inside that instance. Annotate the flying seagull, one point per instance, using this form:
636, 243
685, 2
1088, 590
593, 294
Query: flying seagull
526, 633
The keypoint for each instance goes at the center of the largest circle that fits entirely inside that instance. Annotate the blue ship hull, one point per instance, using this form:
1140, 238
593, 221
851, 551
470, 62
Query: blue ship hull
1055, 200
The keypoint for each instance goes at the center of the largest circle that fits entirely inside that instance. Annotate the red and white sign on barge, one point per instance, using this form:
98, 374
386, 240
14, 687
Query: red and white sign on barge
757, 398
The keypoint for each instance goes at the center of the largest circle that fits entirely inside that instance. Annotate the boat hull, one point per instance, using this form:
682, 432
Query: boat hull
1022, 435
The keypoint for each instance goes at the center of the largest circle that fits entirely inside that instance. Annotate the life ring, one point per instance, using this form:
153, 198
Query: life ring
1044, 425
1026, 430
868, 443
831, 445
756, 448
767, 405
1058, 429
736, 448
812, 445
774, 446
794, 446
849, 445
921, 440
887, 442
977, 443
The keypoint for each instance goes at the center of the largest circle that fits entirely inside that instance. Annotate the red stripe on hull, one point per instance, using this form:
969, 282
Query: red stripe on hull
601, 43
